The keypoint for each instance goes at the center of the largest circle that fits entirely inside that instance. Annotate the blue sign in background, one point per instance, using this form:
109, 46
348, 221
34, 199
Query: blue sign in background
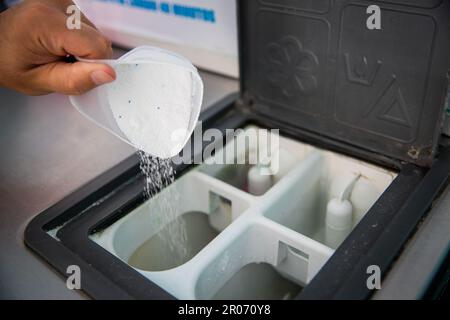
179, 10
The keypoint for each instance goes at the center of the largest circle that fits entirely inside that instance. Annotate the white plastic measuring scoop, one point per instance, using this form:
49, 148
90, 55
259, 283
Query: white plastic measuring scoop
153, 104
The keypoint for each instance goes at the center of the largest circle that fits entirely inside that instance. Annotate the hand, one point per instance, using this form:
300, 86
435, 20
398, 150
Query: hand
34, 43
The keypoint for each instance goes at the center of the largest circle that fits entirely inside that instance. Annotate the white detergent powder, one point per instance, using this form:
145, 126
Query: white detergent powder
153, 106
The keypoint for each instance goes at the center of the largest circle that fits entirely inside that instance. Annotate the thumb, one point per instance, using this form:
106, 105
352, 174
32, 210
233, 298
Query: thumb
71, 78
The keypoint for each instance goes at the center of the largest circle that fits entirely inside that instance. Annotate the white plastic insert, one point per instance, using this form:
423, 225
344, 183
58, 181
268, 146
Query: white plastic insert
207, 235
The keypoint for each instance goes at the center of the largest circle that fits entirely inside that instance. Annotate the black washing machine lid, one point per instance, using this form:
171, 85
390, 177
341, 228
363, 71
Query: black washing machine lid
316, 65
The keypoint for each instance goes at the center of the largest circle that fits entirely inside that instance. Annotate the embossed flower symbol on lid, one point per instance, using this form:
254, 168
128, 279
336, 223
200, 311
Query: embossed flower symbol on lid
290, 67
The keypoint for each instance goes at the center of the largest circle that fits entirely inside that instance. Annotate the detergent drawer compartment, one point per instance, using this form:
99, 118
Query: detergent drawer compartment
226, 233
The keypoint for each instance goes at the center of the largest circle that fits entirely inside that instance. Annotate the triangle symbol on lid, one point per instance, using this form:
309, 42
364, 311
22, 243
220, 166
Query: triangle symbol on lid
396, 110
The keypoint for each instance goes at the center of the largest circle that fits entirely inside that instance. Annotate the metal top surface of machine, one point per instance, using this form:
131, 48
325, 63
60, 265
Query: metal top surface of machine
316, 65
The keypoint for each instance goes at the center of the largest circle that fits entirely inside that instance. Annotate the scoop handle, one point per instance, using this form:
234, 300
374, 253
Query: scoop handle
110, 62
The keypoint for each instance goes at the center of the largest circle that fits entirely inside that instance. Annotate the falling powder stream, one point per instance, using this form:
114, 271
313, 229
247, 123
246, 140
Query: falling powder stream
159, 174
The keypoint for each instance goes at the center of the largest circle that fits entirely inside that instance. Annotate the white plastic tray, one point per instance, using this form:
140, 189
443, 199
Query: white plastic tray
282, 228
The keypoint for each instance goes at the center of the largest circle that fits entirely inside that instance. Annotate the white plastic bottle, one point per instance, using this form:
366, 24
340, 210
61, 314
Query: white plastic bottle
339, 217
259, 179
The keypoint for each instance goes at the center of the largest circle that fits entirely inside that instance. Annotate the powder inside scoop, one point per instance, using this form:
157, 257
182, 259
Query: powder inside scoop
153, 105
